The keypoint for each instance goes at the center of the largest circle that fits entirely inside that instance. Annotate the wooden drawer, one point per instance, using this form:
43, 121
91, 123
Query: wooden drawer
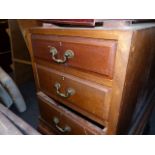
62, 121
96, 55
88, 98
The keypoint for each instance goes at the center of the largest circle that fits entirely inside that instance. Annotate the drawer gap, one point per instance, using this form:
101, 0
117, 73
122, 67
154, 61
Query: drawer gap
100, 126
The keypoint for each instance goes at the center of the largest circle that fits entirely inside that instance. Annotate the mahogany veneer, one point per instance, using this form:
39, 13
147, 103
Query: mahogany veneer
97, 55
111, 71
50, 110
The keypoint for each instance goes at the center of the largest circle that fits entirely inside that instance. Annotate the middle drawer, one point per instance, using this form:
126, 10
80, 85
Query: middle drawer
88, 98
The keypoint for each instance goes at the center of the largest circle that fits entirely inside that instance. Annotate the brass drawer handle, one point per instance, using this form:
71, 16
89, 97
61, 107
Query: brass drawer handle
69, 91
67, 55
63, 130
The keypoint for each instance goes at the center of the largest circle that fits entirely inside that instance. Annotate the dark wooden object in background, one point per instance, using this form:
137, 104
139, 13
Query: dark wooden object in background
22, 67
5, 53
73, 22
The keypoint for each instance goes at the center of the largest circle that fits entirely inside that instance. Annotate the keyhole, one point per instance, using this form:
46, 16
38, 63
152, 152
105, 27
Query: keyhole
63, 78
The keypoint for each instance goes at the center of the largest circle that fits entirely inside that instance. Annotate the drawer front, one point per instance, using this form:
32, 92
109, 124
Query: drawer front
83, 96
62, 121
96, 55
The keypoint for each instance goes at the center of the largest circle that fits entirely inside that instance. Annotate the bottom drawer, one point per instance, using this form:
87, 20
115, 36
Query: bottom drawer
62, 121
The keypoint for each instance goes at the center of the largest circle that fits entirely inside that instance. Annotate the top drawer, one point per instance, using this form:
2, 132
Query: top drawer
90, 54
